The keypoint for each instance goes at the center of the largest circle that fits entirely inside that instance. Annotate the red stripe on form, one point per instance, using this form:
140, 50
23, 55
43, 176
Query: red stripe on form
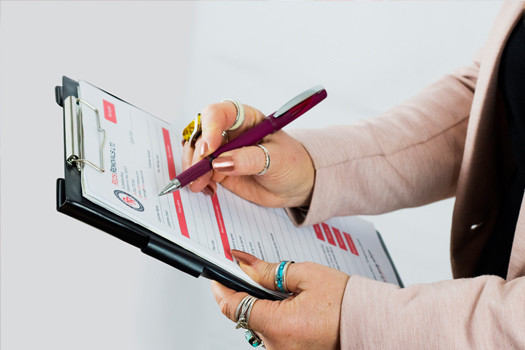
176, 194
222, 228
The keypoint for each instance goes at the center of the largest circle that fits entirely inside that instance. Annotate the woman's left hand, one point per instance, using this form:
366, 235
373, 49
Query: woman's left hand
309, 319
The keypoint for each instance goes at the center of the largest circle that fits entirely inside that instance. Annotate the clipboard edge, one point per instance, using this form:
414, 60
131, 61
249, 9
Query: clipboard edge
390, 260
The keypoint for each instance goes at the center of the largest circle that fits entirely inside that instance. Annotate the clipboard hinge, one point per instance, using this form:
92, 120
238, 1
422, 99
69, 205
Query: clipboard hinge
74, 133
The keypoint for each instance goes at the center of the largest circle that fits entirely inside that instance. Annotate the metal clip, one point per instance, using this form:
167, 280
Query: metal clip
74, 134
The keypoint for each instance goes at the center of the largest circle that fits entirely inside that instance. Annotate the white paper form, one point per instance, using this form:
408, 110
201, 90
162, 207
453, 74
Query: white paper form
142, 153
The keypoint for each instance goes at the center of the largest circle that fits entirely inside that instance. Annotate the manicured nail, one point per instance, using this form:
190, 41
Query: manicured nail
223, 164
208, 190
243, 257
204, 149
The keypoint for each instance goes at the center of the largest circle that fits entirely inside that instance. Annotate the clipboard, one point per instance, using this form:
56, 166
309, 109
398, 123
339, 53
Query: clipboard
71, 202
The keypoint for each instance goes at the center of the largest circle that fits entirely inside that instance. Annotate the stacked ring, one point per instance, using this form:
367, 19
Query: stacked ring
266, 162
280, 276
242, 315
239, 119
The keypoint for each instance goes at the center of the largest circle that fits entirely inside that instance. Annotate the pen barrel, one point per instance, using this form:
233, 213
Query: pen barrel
281, 120
197, 170
250, 137
271, 124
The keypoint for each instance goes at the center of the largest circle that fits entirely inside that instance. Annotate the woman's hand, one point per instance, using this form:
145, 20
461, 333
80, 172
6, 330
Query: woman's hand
309, 319
290, 176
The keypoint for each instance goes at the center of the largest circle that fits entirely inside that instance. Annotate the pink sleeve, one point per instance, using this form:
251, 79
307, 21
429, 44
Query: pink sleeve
408, 157
486, 312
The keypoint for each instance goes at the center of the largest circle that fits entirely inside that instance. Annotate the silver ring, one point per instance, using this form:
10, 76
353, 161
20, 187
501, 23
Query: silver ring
280, 276
242, 315
267, 162
239, 119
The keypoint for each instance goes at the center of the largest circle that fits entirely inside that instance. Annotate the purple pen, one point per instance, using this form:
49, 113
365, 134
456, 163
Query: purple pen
290, 111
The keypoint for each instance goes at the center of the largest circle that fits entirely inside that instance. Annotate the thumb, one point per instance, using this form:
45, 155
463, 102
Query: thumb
263, 272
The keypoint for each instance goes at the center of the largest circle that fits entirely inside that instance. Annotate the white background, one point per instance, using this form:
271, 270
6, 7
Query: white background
65, 285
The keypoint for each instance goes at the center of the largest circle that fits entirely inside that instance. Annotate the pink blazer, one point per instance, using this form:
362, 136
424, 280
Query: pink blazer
443, 142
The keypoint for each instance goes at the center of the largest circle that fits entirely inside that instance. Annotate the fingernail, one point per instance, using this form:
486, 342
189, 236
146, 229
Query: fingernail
223, 164
243, 257
208, 190
204, 149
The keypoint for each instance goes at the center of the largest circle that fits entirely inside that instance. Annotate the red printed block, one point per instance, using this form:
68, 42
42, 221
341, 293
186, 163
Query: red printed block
318, 232
339, 238
351, 244
109, 111
328, 233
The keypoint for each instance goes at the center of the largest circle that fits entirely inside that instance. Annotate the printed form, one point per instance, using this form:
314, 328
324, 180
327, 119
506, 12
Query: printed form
141, 153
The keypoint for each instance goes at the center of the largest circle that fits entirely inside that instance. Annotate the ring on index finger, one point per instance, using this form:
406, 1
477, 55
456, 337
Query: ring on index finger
239, 119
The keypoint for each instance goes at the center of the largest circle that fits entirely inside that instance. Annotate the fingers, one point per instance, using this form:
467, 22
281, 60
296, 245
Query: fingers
215, 119
243, 161
263, 272
219, 117
228, 301
203, 184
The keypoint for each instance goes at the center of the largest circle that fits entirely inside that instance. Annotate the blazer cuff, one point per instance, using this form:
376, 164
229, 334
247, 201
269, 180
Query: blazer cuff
470, 313
325, 194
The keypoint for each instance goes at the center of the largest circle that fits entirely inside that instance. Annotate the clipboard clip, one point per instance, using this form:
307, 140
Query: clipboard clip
74, 134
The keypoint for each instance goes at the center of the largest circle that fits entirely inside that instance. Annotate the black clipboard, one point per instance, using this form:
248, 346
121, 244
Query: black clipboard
71, 202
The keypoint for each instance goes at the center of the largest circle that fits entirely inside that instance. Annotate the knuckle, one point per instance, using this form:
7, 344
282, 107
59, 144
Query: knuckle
269, 325
224, 305
213, 116
211, 109
254, 160
268, 272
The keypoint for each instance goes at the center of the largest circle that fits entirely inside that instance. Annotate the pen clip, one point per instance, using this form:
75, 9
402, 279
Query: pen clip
297, 100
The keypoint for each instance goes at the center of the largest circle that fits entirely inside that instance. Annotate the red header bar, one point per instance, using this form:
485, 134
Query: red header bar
176, 194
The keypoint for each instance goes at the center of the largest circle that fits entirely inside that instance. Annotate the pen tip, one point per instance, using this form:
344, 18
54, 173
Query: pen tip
172, 186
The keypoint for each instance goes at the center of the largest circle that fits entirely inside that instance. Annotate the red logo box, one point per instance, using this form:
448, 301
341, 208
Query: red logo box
109, 111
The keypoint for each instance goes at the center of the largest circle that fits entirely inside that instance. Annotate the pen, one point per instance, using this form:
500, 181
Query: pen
290, 111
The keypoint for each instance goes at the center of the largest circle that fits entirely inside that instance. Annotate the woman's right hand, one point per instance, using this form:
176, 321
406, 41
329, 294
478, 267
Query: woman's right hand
290, 176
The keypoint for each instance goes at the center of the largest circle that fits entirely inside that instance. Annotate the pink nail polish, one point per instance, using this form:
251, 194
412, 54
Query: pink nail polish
209, 191
243, 257
223, 164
